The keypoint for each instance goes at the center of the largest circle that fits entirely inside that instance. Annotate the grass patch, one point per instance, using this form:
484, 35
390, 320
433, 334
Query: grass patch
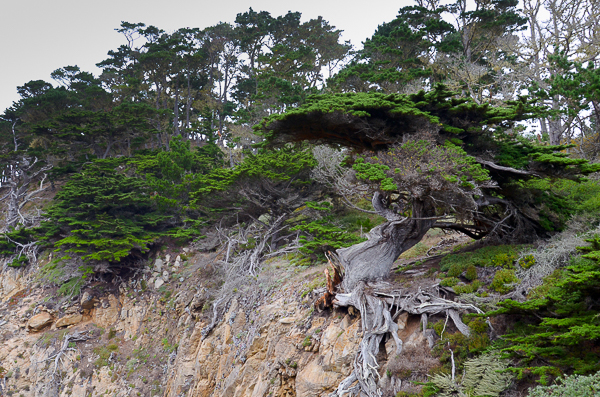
417, 250
104, 353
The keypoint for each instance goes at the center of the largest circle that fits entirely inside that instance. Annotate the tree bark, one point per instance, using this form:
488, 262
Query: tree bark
372, 260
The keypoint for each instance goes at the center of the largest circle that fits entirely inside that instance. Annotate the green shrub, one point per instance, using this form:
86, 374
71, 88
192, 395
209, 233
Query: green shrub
449, 282
575, 385
502, 281
468, 288
471, 273
527, 261
559, 328
497, 255
455, 270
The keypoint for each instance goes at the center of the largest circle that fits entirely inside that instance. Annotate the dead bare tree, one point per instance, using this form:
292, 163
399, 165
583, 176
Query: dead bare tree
20, 190
245, 249
52, 387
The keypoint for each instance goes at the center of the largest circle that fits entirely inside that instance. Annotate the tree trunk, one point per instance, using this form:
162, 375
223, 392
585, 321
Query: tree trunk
372, 260
176, 109
188, 105
365, 265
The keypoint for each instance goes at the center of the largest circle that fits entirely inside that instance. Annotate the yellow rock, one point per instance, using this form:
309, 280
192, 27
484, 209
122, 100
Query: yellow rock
69, 320
39, 321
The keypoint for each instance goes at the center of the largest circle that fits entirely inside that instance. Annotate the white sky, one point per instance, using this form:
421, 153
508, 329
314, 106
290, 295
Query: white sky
40, 36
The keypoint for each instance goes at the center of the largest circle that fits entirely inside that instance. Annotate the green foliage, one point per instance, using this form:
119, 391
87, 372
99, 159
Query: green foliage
560, 324
267, 170
471, 273
502, 281
491, 256
574, 385
463, 347
71, 287
104, 214
468, 288
449, 282
322, 235
104, 353
571, 197
402, 114
168, 346
9, 247
455, 270
446, 167
527, 261
307, 341
483, 376
417, 168
118, 207
417, 250
355, 221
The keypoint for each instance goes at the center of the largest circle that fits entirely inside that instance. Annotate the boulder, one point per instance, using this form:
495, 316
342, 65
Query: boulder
158, 265
39, 321
69, 320
158, 283
88, 301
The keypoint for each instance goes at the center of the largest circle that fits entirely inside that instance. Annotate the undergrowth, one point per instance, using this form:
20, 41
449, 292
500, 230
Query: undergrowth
558, 329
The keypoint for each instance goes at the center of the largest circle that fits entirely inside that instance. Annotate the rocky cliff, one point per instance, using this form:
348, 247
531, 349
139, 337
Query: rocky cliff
142, 335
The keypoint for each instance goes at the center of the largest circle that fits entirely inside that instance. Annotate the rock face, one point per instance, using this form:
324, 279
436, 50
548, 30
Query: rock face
39, 321
151, 342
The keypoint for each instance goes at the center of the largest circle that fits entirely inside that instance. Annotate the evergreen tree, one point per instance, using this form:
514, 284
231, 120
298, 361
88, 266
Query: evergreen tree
433, 160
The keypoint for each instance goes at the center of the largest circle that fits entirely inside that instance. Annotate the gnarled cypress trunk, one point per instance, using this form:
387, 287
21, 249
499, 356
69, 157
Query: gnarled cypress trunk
372, 260
367, 263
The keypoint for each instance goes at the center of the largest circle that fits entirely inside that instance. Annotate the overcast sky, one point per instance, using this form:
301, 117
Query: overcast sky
39, 36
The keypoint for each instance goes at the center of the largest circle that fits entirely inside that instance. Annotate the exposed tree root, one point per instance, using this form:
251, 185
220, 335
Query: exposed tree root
376, 303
